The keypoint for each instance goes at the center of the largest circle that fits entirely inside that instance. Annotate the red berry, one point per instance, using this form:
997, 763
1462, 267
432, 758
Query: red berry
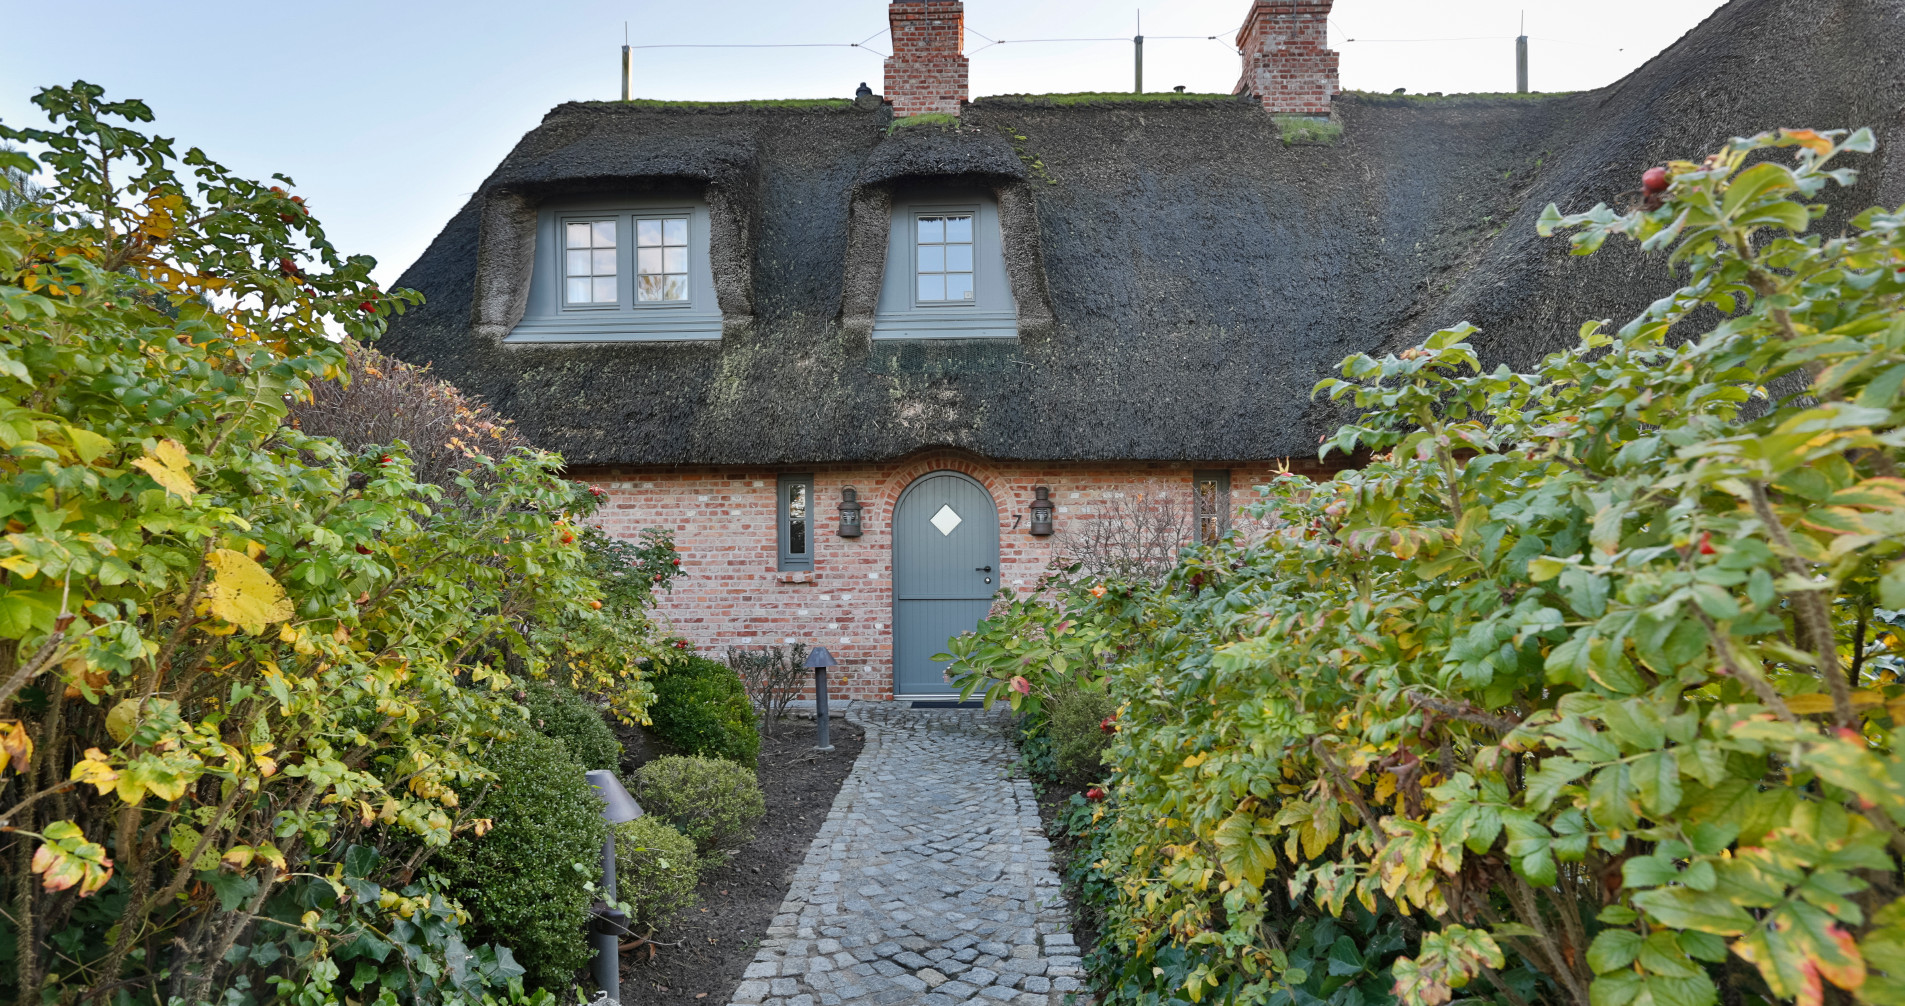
1094, 794
386, 460
1109, 724
1706, 543
363, 549
677, 560
368, 307
1654, 180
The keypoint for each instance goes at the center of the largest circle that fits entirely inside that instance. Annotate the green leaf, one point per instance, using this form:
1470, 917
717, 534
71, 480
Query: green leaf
1704, 911
1613, 949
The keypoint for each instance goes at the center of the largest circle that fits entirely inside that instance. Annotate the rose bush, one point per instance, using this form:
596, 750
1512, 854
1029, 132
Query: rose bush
244, 671
1589, 678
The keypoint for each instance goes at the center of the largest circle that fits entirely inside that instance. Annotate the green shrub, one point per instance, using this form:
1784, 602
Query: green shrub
1078, 738
1593, 670
520, 882
558, 711
655, 870
701, 708
715, 802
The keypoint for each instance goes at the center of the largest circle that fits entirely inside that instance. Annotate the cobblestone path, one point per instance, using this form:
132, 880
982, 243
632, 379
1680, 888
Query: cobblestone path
930, 882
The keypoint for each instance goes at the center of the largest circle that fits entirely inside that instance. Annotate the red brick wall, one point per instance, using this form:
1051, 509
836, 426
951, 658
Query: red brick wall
724, 518
927, 71
1287, 61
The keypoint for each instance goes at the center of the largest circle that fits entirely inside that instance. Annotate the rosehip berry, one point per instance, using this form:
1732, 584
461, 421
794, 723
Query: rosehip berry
1706, 543
677, 560
386, 460
1094, 794
597, 605
1654, 180
1098, 591
1109, 724
363, 549
368, 307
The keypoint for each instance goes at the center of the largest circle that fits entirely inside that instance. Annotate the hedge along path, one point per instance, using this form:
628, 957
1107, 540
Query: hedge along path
931, 881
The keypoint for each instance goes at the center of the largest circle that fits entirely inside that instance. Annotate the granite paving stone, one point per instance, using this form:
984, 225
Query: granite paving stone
929, 884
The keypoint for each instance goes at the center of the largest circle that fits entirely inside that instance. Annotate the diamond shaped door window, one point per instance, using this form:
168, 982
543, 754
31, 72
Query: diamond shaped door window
946, 519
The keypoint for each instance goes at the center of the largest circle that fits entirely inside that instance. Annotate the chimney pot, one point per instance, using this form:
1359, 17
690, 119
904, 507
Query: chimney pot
927, 71
1287, 62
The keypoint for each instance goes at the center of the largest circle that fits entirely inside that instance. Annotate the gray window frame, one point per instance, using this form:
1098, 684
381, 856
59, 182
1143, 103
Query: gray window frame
991, 314
789, 562
1222, 516
548, 317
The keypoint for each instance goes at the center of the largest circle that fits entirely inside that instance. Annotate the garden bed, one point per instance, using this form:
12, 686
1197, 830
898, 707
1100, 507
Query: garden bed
699, 959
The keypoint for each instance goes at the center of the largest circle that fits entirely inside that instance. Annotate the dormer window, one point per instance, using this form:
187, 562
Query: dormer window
945, 272
621, 271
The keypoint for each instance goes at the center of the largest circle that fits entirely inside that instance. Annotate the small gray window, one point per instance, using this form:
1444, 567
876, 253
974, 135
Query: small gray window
944, 257
609, 270
1212, 492
945, 272
796, 522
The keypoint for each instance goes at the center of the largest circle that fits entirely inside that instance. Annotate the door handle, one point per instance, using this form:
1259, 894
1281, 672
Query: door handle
982, 569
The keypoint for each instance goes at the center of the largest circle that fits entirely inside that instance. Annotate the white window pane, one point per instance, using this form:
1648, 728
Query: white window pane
932, 258
604, 233
676, 288
932, 288
959, 228
932, 229
578, 263
604, 262
578, 291
675, 231
648, 260
674, 260
650, 288
578, 235
647, 232
959, 258
605, 289
959, 286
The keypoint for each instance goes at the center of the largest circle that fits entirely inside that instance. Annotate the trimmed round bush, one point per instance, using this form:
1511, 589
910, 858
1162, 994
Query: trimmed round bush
1078, 739
655, 870
519, 882
701, 708
714, 802
557, 711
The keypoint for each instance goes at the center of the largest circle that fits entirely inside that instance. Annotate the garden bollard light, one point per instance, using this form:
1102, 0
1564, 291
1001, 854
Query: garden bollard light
820, 660
608, 924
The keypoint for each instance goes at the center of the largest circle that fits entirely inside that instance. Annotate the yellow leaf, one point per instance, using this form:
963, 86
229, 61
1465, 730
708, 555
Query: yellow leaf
22, 565
1817, 702
242, 593
121, 719
1809, 139
93, 770
16, 746
239, 856
88, 445
170, 467
1195, 760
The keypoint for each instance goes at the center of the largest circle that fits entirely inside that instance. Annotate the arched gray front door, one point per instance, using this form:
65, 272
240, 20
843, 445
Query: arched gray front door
945, 568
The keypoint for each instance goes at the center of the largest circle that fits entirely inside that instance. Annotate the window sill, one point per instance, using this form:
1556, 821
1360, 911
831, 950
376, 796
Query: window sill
951, 323
797, 576
663, 326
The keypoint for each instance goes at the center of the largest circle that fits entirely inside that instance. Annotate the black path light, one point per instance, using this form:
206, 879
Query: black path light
850, 512
819, 659
610, 924
1041, 511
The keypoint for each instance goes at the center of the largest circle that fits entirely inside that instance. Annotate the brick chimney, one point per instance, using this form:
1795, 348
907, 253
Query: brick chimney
1288, 64
927, 71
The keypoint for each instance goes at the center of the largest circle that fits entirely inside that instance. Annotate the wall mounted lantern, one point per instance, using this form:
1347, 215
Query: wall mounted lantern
849, 513
1041, 511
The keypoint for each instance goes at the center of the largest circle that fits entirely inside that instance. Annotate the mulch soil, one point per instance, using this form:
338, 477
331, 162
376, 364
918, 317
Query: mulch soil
1054, 799
700, 956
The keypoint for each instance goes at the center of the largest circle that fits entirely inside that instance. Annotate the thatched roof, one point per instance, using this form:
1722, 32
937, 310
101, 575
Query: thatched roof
1199, 275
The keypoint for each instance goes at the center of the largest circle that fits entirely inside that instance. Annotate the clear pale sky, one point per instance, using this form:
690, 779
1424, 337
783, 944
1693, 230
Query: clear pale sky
389, 114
